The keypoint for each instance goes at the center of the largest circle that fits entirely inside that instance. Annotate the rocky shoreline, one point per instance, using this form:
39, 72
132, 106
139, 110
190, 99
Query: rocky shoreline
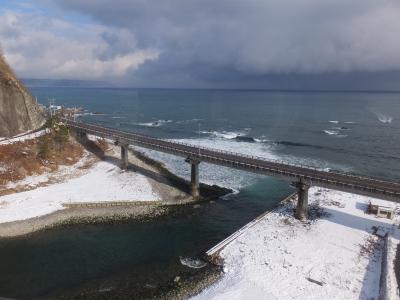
193, 285
73, 216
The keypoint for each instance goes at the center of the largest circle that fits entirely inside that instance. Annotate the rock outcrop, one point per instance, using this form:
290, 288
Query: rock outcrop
19, 111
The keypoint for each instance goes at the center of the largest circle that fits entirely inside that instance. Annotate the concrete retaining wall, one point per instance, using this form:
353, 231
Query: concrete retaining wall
388, 285
110, 204
213, 253
384, 281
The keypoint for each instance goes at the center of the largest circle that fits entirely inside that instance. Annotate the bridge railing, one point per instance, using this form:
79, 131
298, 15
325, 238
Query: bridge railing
195, 149
116, 133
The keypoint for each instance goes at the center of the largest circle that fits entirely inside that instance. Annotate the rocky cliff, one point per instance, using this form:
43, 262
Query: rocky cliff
18, 109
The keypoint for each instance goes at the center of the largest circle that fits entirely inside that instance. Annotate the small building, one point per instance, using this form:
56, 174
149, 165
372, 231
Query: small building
385, 212
381, 211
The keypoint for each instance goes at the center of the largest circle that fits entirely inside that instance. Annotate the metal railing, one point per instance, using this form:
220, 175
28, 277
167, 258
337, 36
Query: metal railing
238, 159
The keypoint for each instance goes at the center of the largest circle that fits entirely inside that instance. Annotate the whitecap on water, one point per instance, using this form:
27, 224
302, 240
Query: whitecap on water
157, 123
261, 140
228, 134
384, 118
213, 174
224, 176
334, 122
331, 132
192, 262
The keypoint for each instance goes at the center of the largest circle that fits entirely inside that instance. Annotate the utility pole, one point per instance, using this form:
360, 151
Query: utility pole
199, 138
51, 104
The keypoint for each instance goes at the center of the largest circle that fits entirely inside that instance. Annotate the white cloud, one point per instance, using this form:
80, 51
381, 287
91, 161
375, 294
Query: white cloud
43, 47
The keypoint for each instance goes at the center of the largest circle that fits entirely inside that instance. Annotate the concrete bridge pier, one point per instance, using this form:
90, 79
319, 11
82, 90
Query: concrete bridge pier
124, 156
194, 179
81, 135
302, 200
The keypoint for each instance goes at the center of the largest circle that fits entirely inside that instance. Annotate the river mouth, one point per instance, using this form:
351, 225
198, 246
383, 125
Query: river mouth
136, 258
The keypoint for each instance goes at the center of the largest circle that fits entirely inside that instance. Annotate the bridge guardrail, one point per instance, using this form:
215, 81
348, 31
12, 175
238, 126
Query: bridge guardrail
203, 148
146, 140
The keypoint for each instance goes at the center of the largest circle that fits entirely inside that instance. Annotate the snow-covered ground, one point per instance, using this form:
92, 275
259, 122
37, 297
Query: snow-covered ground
392, 290
102, 182
23, 137
282, 258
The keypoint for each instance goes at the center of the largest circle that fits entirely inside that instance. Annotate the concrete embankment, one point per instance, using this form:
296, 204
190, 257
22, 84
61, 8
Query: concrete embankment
213, 253
388, 285
171, 190
81, 215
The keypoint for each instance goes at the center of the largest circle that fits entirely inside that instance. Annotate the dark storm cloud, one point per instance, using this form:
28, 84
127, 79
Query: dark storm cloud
230, 43
261, 36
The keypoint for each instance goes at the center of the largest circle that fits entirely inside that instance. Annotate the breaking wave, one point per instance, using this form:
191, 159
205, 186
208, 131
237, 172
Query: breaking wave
232, 178
336, 132
384, 118
157, 123
229, 135
226, 134
331, 132
213, 174
345, 122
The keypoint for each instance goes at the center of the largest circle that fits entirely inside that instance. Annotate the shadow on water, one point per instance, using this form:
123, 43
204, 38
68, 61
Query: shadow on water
129, 255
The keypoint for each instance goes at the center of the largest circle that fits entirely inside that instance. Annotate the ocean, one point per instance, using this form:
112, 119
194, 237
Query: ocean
344, 131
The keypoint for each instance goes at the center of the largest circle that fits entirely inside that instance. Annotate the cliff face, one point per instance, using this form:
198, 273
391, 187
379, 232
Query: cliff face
18, 109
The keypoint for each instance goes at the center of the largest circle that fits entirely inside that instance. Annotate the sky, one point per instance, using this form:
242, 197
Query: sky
271, 44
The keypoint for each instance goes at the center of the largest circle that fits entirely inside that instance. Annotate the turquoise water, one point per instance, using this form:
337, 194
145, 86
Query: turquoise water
352, 132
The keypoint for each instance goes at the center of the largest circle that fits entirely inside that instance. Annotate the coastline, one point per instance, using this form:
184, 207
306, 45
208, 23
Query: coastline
169, 190
245, 258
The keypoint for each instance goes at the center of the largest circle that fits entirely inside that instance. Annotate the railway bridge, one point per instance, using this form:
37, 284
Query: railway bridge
301, 177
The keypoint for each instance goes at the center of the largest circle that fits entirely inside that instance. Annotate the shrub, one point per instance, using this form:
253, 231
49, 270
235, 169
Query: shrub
60, 134
45, 146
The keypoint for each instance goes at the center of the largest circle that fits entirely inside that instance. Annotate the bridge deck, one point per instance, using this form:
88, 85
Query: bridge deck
334, 180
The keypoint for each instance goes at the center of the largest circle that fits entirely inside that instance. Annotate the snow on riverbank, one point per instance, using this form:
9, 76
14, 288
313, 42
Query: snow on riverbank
102, 182
282, 258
